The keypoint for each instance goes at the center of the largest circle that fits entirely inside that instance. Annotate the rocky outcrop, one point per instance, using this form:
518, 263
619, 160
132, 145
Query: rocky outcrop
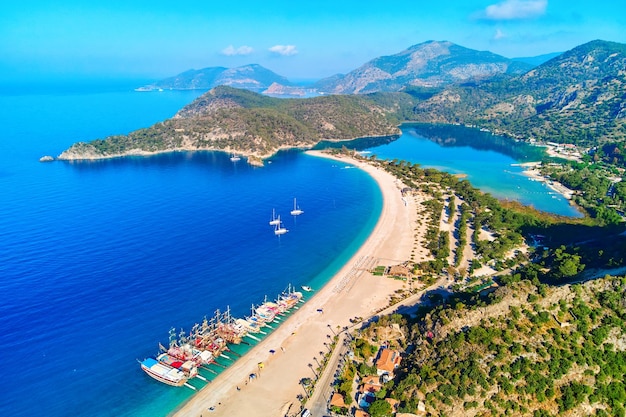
281, 90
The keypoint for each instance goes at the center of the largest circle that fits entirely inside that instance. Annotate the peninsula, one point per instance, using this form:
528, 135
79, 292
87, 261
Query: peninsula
250, 124
574, 98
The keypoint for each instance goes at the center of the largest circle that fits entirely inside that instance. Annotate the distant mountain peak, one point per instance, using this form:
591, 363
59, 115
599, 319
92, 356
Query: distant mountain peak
250, 77
428, 64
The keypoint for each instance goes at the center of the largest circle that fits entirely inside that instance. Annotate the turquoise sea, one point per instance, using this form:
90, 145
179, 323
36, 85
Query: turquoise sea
98, 260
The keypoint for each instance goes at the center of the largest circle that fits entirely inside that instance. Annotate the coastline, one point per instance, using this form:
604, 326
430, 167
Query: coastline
253, 158
300, 339
531, 171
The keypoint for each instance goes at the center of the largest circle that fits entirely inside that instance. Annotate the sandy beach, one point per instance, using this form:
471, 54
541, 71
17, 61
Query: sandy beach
300, 339
531, 170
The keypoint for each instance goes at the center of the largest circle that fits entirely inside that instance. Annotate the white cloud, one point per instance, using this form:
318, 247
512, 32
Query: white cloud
242, 50
515, 9
285, 50
499, 34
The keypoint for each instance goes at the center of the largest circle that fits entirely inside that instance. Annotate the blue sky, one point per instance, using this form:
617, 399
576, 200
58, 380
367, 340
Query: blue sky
300, 40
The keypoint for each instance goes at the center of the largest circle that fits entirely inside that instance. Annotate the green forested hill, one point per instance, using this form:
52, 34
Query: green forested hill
525, 350
576, 97
236, 120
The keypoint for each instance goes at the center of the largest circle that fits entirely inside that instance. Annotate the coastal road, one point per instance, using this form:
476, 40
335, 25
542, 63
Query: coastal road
318, 403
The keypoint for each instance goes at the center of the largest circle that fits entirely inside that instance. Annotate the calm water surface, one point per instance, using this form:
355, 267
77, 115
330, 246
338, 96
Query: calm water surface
489, 162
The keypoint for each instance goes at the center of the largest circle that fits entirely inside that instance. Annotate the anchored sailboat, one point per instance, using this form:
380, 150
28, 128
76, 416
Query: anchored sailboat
296, 210
275, 221
279, 229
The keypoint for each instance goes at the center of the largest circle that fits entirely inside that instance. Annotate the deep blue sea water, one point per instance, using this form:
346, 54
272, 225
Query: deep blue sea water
98, 260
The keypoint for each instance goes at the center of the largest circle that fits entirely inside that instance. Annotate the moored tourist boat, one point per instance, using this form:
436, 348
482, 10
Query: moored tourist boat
275, 307
187, 352
265, 313
250, 326
227, 328
163, 373
256, 320
188, 367
205, 357
207, 337
290, 296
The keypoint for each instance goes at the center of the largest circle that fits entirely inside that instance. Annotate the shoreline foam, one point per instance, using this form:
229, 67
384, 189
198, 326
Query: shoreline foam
300, 339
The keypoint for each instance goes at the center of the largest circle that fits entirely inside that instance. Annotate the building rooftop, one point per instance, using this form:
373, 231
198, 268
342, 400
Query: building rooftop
337, 400
388, 360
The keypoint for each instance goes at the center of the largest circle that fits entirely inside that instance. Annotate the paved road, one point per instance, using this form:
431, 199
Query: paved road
318, 403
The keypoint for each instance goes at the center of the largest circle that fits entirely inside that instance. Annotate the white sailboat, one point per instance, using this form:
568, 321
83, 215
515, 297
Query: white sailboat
279, 229
274, 220
296, 210
234, 157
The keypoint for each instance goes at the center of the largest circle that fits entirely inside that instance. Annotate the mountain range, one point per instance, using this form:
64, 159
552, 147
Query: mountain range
428, 64
576, 97
431, 63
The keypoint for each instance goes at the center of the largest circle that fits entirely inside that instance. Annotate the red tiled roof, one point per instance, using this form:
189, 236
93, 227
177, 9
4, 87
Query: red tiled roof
337, 400
388, 360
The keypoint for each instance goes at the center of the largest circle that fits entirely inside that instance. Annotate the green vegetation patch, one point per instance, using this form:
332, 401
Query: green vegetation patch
379, 270
560, 353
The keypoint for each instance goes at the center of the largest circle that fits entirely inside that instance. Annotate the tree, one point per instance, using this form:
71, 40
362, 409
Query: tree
565, 264
380, 408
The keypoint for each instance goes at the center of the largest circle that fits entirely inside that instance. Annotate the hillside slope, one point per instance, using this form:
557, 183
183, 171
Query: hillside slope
242, 121
428, 64
576, 97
